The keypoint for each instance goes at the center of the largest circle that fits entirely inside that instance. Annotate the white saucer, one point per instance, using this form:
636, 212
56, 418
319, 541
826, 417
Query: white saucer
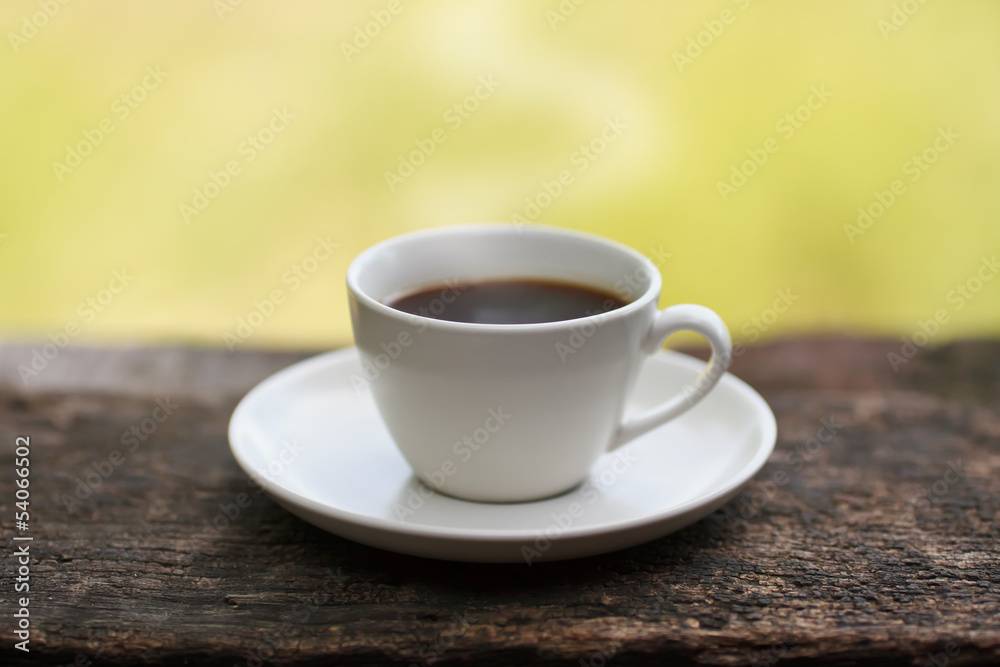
322, 452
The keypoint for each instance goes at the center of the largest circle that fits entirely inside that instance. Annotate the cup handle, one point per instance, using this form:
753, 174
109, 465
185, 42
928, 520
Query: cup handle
685, 317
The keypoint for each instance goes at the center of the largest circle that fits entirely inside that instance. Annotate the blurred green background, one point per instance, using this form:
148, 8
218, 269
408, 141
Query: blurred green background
121, 119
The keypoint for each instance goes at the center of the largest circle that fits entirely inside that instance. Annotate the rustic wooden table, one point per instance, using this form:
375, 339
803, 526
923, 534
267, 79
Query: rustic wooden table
880, 548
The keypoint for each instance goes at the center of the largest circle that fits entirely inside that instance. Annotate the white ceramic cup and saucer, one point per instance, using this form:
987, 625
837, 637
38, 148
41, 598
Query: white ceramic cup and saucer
506, 442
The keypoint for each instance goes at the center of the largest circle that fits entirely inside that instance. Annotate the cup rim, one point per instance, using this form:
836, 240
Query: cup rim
360, 262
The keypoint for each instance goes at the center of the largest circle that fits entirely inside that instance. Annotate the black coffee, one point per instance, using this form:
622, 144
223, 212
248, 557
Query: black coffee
507, 302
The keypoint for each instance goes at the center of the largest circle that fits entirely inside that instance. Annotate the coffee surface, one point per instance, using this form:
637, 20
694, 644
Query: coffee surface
507, 302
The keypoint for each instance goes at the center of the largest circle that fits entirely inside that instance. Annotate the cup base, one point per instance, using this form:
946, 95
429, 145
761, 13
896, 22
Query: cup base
496, 501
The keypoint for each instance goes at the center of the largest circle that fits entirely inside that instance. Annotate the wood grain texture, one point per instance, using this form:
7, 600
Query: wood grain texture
862, 550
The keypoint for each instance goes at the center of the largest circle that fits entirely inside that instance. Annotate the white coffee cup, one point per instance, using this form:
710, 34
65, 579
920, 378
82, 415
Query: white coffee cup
514, 412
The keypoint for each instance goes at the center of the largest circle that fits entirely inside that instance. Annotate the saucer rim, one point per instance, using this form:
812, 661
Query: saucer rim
765, 446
